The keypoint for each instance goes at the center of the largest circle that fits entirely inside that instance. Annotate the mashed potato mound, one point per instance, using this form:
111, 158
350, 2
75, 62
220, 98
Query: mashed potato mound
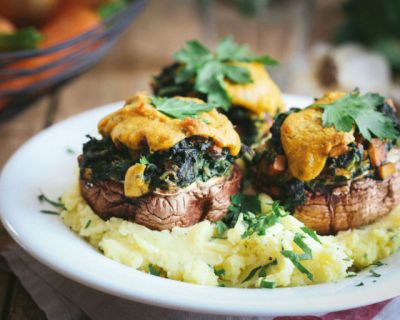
195, 255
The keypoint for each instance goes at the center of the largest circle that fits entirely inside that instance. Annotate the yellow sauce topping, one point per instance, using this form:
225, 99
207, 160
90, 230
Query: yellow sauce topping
260, 96
138, 122
134, 184
307, 144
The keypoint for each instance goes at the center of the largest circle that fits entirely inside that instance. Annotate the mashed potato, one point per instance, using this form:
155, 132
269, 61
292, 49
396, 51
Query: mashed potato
195, 255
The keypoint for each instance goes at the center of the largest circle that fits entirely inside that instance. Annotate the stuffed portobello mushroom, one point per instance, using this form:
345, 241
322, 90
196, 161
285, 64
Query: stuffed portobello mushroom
232, 77
335, 163
161, 162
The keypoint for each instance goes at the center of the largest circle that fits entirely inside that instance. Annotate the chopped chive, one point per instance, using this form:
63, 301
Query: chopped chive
88, 224
360, 284
311, 233
57, 204
374, 274
219, 272
267, 284
70, 150
153, 270
50, 212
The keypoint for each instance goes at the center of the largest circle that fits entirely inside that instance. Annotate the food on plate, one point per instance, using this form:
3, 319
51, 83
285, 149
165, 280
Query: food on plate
334, 163
233, 77
162, 163
206, 254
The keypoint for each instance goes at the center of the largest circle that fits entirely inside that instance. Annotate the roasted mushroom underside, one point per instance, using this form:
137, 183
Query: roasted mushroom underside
160, 210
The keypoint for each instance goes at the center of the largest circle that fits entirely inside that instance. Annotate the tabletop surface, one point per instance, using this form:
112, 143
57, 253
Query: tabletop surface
285, 29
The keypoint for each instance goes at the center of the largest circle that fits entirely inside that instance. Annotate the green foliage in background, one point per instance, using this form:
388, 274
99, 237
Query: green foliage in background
374, 23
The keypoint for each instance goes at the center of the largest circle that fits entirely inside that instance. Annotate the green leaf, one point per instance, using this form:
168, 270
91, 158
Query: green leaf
144, 160
295, 258
87, 225
266, 60
193, 55
180, 108
361, 111
267, 284
153, 270
298, 239
261, 270
237, 74
221, 228
219, 272
311, 233
227, 49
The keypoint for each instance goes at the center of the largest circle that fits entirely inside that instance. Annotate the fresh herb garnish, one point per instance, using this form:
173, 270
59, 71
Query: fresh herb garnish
143, 160
57, 204
219, 272
241, 203
311, 233
374, 273
69, 150
181, 108
87, 225
221, 227
296, 258
360, 284
209, 70
267, 284
153, 270
378, 263
360, 110
56, 213
261, 270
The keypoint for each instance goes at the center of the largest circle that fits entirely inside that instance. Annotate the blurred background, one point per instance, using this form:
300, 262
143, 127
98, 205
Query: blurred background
61, 57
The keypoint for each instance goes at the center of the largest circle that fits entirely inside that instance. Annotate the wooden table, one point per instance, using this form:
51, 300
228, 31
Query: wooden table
286, 28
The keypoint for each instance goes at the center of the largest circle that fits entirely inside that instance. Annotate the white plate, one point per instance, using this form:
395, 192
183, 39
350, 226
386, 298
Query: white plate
44, 164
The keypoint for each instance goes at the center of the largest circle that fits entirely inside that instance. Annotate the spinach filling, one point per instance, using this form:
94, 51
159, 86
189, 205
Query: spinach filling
192, 159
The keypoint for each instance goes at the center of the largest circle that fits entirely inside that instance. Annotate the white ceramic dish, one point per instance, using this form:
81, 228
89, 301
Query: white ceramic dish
43, 163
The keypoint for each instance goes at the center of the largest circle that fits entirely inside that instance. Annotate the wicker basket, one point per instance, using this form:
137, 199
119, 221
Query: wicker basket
20, 86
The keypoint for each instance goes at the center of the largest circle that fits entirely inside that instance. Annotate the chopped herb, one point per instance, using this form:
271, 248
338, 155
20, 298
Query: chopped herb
70, 150
360, 110
311, 233
181, 108
298, 239
241, 203
374, 273
351, 275
144, 160
295, 258
50, 212
153, 270
57, 204
267, 284
221, 227
378, 263
87, 225
261, 270
219, 272
360, 284
221, 285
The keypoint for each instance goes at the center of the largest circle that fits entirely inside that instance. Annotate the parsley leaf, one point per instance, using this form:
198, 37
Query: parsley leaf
209, 70
180, 108
359, 110
219, 272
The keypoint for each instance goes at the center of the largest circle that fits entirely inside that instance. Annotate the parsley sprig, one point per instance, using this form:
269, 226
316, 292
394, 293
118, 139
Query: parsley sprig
209, 70
360, 110
180, 108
